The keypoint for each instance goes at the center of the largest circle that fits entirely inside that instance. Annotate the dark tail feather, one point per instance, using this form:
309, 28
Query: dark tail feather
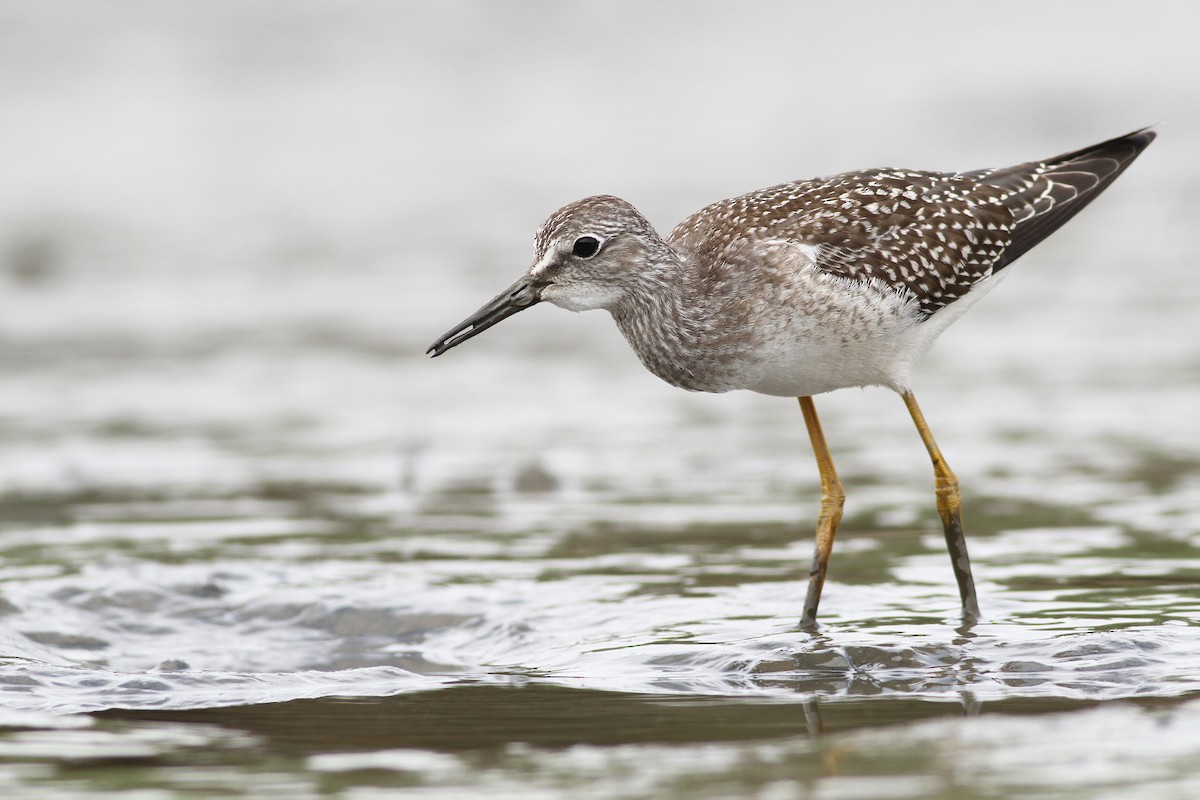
1043, 195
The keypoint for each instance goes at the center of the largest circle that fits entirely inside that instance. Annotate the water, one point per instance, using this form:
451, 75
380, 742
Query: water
253, 542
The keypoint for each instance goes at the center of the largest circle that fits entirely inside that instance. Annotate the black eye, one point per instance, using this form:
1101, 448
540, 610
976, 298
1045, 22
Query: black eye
586, 246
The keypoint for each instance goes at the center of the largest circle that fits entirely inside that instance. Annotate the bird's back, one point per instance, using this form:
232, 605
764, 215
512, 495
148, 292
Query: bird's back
932, 235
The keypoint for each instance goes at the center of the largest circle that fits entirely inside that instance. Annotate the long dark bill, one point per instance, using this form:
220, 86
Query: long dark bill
521, 295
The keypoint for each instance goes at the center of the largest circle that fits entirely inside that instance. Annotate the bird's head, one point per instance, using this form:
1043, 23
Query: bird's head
588, 254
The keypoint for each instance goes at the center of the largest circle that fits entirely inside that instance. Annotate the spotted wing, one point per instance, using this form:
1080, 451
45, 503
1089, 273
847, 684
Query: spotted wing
1043, 195
932, 235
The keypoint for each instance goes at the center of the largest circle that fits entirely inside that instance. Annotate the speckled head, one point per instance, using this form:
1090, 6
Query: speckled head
589, 254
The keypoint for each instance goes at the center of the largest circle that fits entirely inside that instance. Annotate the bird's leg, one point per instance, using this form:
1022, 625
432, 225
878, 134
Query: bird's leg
948, 506
832, 498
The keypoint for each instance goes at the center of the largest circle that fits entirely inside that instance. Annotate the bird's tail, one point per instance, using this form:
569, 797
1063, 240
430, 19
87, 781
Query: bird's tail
1043, 195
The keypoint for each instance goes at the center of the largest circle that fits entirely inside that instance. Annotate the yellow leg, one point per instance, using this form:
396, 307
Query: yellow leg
948, 506
832, 498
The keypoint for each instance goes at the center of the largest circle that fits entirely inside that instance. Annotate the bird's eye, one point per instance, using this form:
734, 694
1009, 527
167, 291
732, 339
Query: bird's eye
586, 246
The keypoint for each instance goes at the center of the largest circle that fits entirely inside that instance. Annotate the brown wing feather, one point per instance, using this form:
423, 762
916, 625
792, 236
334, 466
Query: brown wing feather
931, 234
1043, 195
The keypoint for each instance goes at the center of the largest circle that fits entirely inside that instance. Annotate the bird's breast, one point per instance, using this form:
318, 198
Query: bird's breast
808, 334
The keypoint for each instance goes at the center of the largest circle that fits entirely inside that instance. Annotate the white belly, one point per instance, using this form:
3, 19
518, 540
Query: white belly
875, 343
803, 368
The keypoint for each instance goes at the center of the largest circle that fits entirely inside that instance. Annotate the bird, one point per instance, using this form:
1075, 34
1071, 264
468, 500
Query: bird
808, 287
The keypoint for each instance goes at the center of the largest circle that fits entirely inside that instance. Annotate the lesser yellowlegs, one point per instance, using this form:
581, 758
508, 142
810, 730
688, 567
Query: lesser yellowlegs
810, 286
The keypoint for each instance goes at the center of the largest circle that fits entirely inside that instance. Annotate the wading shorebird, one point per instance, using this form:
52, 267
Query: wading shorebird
811, 286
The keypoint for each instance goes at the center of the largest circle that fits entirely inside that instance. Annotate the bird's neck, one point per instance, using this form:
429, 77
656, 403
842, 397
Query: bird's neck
664, 322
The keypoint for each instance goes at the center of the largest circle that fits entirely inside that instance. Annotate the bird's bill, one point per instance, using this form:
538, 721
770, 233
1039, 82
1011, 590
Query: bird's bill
521, 295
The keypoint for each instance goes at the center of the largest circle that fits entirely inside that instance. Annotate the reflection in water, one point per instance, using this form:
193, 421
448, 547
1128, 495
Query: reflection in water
476, 717
475, 738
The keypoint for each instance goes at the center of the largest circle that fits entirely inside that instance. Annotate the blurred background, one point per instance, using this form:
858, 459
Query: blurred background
245, 217
228, 231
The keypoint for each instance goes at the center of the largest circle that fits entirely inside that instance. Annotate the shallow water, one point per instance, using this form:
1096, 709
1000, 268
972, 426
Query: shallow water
245, 523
